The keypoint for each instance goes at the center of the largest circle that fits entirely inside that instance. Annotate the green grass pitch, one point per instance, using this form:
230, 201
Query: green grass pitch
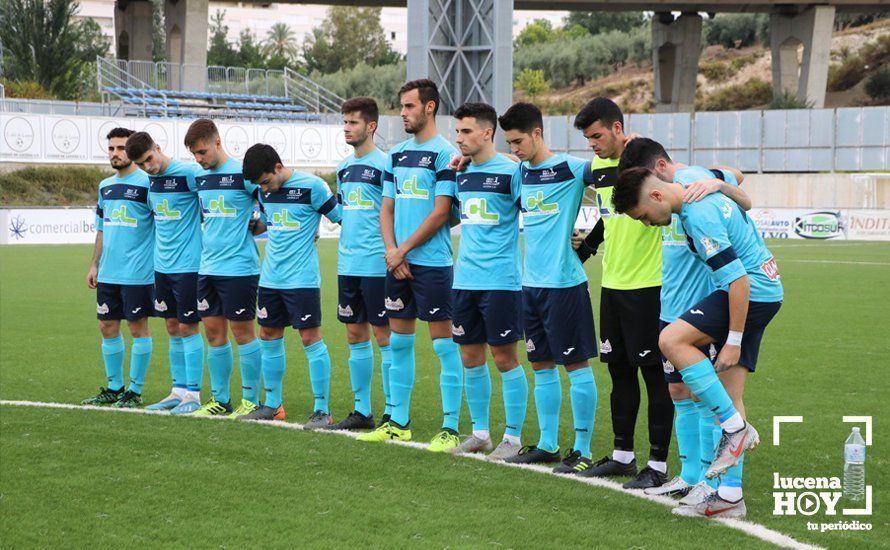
77, 478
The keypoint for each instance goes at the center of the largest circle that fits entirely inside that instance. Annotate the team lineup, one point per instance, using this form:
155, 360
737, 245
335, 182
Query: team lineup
688, 286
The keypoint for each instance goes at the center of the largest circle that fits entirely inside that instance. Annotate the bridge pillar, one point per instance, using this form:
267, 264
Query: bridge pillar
132, 28
466, 47
807, 76
186, 28
676, 46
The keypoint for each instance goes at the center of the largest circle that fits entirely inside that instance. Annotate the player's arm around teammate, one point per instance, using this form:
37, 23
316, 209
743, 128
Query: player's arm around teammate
121, 272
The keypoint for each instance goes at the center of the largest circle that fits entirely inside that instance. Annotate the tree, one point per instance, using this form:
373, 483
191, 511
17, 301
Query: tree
532, 82
250, 52
348, 36
539, 31
282, 42
221, 52
597, 22
158, 32
42, 42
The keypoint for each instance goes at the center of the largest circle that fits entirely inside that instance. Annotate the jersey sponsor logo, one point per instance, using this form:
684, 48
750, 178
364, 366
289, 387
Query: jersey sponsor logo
394, 305
216, 208
280, 221
474, 211
535, 205
355, 201
160, 306
770, 269
102, 309
203, 305
710, 245
606, 346
261, 313
673, 235
163, 212
529, 346
344, 311
408, 189
120, 217
458, 330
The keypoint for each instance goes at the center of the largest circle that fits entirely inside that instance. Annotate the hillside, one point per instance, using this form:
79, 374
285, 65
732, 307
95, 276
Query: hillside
731, 79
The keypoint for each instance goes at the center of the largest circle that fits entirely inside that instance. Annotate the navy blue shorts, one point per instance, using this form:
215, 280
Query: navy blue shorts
130, 302
558, 324
361, 299
176, 295
231, 297
295, 307
672, 375
486, 316
711, 316
426, 297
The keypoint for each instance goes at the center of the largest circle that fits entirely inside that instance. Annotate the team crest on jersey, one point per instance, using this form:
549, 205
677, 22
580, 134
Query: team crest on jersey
394, 305
356, 201
457, 330
408, 189
710, 245
475, 211
160, 306
344, 311
280, 221
163, 212
217, 208
605, 346
535, 205
529, 346
119, 217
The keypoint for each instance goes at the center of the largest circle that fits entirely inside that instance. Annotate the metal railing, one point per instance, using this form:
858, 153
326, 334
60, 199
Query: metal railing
114, 73
310, 93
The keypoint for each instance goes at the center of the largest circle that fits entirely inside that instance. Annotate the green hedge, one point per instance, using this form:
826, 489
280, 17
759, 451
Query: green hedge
51, 185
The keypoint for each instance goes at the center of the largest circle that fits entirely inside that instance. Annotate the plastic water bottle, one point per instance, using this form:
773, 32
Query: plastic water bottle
854, 466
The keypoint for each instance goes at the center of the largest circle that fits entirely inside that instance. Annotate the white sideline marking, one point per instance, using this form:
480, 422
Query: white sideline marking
753, 529
847, 262
843, 244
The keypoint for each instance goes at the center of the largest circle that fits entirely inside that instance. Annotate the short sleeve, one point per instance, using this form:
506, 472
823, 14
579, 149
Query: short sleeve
704, 225
324, 202
191, 177
100, 214
389, 187
587, 173
251, 188
516, 184
446, 178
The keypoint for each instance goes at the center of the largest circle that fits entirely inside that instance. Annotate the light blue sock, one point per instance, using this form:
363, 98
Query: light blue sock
220, 363
319, 375
401, 376
702, 380
361, 368
385, 364
113, 357
584, 397
686, 424
514, 387
548, 401
478, 388
733, 476
708, 437
250, 357
193, 350
274, 363
451, 381
140, 359
177, 362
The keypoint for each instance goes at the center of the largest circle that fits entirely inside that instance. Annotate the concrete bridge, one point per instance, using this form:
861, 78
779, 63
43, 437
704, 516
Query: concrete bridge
466, 45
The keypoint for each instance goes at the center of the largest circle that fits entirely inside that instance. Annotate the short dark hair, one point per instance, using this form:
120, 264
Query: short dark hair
482, 112
642, 152
119, 133
524, 117
365, 106
602, 109
258, 160
138, 144
626, 193
426, 88
200, 130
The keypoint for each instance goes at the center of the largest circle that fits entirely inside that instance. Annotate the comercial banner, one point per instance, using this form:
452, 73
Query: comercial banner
55, 139
77, 225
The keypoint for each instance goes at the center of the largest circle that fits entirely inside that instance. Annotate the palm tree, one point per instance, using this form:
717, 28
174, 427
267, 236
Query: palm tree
282, 42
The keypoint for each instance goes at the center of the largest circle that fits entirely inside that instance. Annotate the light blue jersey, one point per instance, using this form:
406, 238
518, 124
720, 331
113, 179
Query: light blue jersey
291, 215
551, 199
228, 248
729, 242
488, 256
128, 230
685, 280
415, 174
174, 200
360, 191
